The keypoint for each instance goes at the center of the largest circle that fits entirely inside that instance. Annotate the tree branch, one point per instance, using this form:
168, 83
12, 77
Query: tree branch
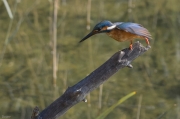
78, 92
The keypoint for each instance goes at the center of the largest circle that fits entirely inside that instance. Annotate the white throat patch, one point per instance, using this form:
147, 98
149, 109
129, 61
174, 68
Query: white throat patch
111, 27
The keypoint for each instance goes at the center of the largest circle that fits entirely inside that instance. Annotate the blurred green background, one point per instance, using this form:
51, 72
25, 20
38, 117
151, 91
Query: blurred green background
26, 59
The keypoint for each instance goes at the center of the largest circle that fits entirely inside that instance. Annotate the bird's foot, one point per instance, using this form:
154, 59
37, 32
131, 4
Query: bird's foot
147, 41
130, 46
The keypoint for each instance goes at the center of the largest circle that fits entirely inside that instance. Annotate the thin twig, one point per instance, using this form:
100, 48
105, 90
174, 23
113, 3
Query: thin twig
8, 9
139, 107
55, 11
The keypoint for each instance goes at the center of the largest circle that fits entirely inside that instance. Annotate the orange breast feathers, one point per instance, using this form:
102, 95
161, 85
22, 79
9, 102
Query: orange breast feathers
121, 35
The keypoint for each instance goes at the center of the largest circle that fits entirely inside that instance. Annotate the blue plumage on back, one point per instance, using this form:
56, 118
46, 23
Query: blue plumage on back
133, 28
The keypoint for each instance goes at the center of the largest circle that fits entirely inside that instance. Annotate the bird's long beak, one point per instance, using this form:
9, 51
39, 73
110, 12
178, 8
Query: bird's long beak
91, 34
87, 36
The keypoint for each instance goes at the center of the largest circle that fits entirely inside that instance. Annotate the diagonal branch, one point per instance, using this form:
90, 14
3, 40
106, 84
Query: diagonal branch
78, 92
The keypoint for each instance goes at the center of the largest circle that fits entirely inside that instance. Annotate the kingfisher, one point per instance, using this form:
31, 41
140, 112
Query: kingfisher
121, 31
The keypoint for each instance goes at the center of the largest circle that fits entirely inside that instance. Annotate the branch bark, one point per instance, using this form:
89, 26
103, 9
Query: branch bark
78, 92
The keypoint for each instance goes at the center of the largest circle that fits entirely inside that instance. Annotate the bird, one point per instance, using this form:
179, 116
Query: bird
121, 31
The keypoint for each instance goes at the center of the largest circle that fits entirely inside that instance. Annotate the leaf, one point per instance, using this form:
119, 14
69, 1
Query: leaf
107, 111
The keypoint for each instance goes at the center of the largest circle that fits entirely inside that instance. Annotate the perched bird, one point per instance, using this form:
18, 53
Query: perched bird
121, 31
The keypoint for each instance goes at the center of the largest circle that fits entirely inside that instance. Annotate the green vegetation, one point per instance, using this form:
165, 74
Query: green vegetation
110, 109
26, 72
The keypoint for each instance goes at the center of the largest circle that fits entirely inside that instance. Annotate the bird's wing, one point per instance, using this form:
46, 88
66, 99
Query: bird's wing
133, 28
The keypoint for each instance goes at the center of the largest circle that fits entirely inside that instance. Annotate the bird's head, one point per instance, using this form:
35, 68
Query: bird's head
102, 27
